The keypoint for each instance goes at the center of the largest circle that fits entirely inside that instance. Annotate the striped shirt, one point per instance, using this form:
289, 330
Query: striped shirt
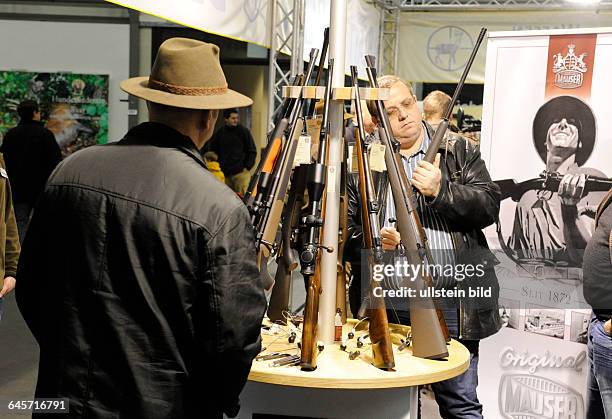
435, 226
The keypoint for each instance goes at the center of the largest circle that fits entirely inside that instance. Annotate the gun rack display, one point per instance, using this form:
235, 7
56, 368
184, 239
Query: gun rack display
337, 369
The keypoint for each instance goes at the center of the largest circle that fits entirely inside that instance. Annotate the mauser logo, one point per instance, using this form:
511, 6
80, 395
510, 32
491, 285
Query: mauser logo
532, 397
569, 69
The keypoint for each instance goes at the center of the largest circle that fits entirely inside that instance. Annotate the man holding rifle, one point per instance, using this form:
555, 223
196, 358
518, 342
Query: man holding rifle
457, 199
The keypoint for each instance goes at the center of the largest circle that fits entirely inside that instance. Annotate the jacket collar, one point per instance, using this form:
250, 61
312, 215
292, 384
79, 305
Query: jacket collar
445, 146
30, 122
160, 135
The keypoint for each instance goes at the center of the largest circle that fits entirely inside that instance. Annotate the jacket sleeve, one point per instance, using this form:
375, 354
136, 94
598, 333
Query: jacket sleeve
354, 241
32, 293
475, 201
230, 308
12, 247
251, 153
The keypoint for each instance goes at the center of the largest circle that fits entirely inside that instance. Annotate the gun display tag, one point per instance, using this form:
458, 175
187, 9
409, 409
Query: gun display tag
377, 158
302, 152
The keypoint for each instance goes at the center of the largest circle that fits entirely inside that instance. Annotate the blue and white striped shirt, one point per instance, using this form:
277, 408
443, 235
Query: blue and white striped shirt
436, 227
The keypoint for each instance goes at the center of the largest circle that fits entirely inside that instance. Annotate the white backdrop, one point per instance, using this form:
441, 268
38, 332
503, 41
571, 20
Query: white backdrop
85, 48
248, 21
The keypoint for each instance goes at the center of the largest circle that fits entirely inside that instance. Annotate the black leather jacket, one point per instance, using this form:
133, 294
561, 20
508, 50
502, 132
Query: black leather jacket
469, 201
138, 279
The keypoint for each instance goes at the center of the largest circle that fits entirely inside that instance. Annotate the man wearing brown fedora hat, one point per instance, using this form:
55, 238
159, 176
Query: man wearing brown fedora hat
138, 276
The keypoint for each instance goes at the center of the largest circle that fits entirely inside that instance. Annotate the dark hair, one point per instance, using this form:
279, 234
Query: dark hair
26, 110
228, 112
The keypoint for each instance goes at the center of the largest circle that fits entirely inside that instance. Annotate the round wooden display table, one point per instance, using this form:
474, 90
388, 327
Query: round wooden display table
344, 388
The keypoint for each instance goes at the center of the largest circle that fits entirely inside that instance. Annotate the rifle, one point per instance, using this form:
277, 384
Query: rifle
268, 209
436, 141
429, 331
548, 181
312, 223
286, 261
382, 349
311, 107
270, 153
342, 233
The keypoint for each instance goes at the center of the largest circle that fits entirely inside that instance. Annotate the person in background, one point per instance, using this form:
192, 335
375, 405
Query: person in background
234, 145
31, 153
597, 271
212, 163
435, 105
9, 238
138, 277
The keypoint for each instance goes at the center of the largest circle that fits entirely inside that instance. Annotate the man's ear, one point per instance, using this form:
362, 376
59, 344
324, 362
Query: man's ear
210, 119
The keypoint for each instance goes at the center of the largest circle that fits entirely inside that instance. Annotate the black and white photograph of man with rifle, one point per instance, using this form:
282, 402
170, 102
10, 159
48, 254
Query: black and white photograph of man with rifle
456, 199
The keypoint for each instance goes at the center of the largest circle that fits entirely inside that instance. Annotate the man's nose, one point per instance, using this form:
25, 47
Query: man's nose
563, 124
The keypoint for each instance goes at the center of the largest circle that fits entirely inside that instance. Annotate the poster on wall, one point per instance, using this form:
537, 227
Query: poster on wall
545, 142
74, 106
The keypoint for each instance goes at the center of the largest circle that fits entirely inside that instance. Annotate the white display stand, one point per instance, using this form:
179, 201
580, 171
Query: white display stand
344, 388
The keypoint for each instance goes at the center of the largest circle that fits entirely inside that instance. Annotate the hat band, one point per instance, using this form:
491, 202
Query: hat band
186, 91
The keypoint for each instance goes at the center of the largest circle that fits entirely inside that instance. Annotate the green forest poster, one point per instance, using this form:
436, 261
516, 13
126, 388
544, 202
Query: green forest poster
73, 106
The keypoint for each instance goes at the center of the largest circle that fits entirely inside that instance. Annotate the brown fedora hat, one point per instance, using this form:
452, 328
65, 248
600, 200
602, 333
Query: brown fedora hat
186, 74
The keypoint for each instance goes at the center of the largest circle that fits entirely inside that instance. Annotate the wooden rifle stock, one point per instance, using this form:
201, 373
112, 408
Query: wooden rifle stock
382, 347
429, 331
310, 350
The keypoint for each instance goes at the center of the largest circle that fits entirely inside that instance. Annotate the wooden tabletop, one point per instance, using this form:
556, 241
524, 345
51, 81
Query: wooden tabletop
336, 370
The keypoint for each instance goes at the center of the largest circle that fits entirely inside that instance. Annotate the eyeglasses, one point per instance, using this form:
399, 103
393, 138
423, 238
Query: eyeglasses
404, 107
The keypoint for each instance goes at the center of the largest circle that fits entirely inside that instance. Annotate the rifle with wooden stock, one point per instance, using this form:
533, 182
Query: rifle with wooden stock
268, 207
312, 225
286, 261
382, 349
429, 331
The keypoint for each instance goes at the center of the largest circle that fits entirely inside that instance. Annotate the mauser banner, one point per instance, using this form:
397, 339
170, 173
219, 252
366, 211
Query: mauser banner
544, 125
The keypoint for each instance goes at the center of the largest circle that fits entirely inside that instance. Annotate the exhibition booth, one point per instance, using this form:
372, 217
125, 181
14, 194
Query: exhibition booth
533, 68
